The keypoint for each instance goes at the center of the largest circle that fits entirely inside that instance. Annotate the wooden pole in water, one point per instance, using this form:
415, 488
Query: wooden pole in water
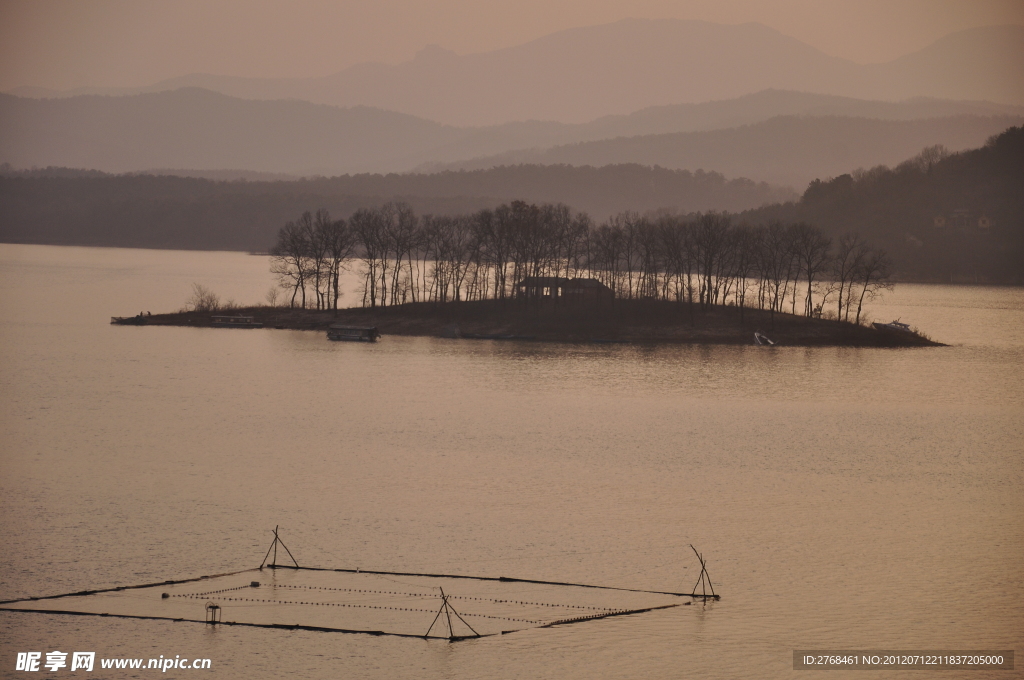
436, 617
703, 575
464, 621
703, 580
276, 539
267, 555
444, 605
704, 566
268, 551
447, 609
273, 548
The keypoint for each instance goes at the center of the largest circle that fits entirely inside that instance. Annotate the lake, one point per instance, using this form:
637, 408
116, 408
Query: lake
843, 498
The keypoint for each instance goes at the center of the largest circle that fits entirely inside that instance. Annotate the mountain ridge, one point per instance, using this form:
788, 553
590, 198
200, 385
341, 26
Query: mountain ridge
583, 73
784, 150
208, 131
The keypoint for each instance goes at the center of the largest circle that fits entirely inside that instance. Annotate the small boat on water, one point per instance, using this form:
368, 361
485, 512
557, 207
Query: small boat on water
893, 326
497, 336
224, 321
761, 339
137, 320
352, 333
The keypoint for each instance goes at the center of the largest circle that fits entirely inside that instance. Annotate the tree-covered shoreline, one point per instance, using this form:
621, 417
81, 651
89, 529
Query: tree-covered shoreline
702, 260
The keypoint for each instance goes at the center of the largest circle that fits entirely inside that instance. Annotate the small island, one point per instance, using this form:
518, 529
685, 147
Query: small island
618, 321
542, 272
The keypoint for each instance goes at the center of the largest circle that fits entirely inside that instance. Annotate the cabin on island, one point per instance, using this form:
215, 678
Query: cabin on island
557, 288
234, 321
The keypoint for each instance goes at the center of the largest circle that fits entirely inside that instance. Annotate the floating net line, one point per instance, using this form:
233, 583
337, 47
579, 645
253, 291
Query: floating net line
434, 606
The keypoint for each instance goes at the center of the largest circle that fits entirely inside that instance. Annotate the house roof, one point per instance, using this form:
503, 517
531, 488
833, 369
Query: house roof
560, 282
531, 281
585, 283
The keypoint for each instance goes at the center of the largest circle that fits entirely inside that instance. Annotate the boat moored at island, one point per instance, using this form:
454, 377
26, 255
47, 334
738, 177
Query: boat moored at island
895, 325
238, 321
137, 320
352, 333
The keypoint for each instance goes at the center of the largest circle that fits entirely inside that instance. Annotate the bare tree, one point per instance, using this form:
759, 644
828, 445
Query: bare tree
925, 160
290, 260
709, 240
811, 248
874, 276
746, 244
607, 255
340, 244
317, 230
400, 239
367, 227
203, 299
774, 265
482, 227
628, 224
650, 260
675, 236
574, 244
847, 262
271, 296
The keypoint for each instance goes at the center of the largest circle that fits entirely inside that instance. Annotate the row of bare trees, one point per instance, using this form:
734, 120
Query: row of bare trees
310, 255
463, 257
702, 259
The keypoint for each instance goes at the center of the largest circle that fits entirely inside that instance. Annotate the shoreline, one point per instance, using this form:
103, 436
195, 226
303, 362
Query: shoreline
621, 321
965, 281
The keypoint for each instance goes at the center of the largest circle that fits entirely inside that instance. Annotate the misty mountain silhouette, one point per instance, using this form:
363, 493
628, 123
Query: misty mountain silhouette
204, 131
580, 74
196, 128
785, 150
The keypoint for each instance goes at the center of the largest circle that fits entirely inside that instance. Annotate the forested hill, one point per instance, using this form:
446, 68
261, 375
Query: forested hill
58, 206
941, 217
956, 217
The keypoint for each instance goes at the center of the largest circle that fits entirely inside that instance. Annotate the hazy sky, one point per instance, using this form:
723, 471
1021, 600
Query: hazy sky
72, 43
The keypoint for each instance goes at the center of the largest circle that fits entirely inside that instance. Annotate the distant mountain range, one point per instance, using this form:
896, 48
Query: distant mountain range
785, 150
781, 137
581, 74
204, 130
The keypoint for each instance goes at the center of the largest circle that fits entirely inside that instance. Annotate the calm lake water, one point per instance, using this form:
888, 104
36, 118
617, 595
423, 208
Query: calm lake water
844, 498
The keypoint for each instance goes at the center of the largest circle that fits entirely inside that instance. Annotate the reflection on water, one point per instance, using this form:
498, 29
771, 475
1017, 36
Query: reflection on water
848, 498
